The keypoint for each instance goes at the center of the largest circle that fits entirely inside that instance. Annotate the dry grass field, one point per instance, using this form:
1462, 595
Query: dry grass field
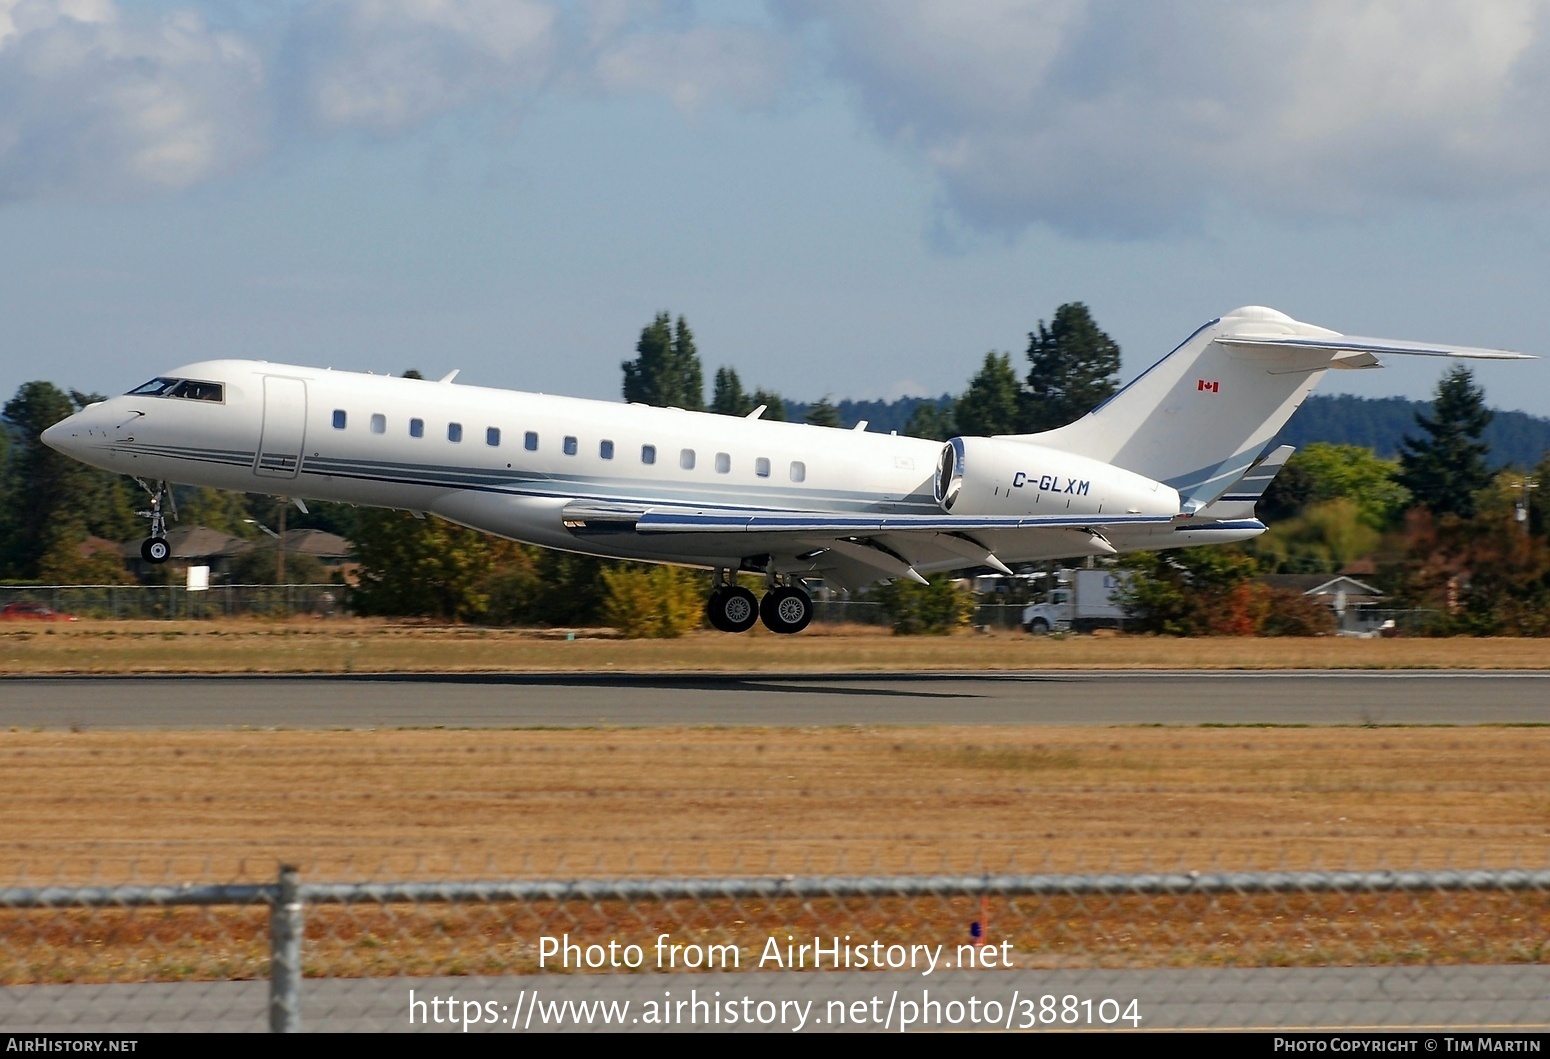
343, 646
218, 805
226, 806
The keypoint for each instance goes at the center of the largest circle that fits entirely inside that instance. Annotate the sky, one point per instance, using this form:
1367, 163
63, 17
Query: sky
857, 199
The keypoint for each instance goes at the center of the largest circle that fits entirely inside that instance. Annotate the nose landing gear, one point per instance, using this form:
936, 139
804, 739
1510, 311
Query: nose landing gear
155, 549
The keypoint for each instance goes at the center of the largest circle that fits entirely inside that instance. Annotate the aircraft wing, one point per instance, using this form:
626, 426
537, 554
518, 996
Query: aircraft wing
853, 550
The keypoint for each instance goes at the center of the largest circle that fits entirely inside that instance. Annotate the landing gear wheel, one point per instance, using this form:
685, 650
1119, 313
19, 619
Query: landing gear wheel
786, 610
155, 550
732, 608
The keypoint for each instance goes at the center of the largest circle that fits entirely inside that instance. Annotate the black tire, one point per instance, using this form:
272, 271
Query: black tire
786, 610
1039, 627
732, 609
155, 550
712, 610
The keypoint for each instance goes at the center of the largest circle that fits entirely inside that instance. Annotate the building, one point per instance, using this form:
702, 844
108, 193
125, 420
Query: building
1356, 603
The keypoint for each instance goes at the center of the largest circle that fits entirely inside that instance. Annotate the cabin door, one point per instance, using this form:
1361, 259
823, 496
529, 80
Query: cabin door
285, 428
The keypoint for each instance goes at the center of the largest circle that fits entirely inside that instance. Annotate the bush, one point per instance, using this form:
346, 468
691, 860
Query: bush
1293, 614
937, 608
653, 602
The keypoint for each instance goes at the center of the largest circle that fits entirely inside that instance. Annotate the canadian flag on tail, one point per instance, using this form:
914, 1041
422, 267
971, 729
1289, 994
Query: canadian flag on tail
1213, 385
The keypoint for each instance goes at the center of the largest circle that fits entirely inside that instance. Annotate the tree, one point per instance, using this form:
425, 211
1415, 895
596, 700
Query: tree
938, 608
728, 397
1074, 367
656, 602
824, 414
666, 372
932, 421
991, 404
54, 502
774, 405
1354, 473
1446, 468
413, 566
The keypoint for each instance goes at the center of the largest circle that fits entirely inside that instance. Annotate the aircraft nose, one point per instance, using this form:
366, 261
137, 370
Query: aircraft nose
62, 435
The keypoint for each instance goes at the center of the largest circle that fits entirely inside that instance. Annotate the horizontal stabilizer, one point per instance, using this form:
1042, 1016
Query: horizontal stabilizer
1355, 344
1257, 478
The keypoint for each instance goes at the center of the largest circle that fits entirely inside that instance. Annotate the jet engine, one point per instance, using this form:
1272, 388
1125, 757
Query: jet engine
1000, 476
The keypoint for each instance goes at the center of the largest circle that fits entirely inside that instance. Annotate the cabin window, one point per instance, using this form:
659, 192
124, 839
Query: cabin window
723, 463
530, 441
761, 467
648, 454
417, 428
378, 423
492, 436
339, 418
605, 449
570, 446
454, 431
686, 459
798, 471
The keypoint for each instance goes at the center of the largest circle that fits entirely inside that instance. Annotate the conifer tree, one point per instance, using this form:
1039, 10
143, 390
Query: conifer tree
1446, 467
666, 371
991, 404
728, 397
1074, 368
824, 414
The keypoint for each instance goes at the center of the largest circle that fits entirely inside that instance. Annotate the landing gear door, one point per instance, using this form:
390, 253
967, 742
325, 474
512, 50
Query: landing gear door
285, 428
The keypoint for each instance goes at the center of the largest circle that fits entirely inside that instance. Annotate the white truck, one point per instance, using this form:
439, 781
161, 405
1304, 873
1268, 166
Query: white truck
1080, 600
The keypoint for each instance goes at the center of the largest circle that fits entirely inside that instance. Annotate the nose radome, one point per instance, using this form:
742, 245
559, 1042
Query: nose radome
60, 434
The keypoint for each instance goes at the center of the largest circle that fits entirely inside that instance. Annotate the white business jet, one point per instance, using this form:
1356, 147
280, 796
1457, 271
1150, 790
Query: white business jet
1176, 457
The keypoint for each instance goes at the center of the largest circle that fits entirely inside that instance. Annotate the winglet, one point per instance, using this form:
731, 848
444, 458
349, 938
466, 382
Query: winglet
449, 376
757, 412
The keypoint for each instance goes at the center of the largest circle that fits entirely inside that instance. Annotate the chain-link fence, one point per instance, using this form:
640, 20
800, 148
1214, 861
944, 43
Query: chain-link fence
1303, 949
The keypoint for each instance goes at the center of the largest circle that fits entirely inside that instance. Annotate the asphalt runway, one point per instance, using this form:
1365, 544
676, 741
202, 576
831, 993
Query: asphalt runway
1458, 998
661, 700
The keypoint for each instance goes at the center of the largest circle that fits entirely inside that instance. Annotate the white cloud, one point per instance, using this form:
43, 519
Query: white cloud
391, 64
1126, 118
98, 98
696, 66
92, 102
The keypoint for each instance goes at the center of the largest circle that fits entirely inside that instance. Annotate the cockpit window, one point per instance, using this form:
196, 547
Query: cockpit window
187, 389
190, 390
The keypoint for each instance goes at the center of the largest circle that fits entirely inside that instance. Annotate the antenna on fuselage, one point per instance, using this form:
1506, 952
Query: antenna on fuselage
757, 412
449, 376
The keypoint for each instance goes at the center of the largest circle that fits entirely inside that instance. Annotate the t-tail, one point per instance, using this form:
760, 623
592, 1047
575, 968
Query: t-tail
1199, 418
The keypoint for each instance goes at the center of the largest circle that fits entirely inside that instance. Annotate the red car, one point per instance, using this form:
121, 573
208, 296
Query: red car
32, 612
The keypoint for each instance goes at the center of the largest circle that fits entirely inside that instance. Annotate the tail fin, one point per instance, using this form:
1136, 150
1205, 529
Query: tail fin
1199, 417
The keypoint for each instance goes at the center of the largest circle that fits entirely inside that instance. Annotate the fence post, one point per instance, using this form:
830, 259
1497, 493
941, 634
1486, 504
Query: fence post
285, 930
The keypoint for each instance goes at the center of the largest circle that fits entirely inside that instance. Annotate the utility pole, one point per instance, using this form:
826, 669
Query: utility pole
1521, 504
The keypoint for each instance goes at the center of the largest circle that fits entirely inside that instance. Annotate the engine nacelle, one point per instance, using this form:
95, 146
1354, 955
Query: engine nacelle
997, 476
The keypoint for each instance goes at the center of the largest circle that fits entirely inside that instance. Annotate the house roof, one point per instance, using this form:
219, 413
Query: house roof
195, 542
318, 542
1321, 584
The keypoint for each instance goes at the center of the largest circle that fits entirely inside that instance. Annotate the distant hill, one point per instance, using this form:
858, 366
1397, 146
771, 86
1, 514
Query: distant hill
1516, 438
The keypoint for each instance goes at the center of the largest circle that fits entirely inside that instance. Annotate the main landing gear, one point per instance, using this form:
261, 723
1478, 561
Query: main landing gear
733, 608
155, 549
